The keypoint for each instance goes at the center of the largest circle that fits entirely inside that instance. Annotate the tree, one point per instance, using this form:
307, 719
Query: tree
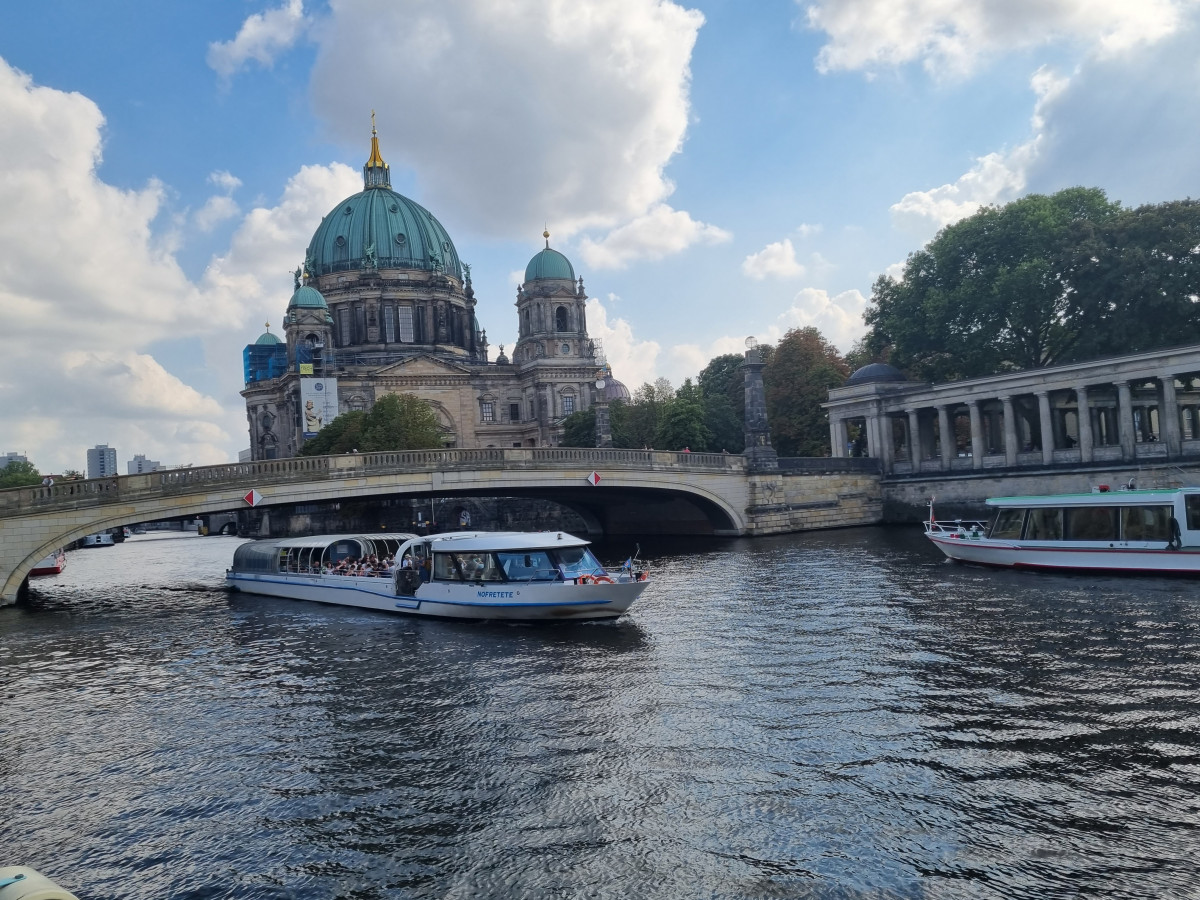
723, 392
681, 422
19, 473
638, 426
994, 291
797, 378
395, 422
579, 429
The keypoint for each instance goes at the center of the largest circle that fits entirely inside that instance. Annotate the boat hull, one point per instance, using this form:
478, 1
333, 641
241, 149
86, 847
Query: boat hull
1120, 557
555, 601
51, 565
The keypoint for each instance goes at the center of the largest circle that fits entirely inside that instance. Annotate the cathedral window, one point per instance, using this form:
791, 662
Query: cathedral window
568, 404
344, 337
405, 315
561, 319
389, 325
514, 412
360, 324
487, 410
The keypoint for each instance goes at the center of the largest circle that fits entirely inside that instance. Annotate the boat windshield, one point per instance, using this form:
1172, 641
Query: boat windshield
527, 565
576, 561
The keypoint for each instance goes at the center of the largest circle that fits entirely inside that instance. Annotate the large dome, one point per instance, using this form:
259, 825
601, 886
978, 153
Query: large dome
378, 228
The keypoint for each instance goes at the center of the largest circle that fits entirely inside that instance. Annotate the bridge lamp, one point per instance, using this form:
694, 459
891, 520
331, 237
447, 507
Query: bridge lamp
751, 343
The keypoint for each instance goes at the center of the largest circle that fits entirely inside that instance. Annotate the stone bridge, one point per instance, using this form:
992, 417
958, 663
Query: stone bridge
637, 492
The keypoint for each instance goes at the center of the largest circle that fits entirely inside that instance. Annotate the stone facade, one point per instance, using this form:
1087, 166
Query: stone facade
383, 305
1141, 408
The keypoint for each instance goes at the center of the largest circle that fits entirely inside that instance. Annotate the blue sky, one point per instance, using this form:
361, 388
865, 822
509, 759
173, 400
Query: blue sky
713, 169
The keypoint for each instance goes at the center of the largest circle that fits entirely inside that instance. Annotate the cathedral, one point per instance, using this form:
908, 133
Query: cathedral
383, 305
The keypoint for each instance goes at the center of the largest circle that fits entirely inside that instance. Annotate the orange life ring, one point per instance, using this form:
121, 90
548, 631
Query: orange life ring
595, 579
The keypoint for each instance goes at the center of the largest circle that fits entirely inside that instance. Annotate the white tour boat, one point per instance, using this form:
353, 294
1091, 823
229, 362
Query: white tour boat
1127, 530
51, 565
461, 575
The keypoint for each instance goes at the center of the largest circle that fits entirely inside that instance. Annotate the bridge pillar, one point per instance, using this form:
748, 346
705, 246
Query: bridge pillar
759, 453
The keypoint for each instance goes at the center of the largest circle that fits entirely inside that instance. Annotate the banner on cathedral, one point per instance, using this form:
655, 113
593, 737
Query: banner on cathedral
319, 403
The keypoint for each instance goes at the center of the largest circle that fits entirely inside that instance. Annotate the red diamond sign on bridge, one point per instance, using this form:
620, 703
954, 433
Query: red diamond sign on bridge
253, 498
594, 479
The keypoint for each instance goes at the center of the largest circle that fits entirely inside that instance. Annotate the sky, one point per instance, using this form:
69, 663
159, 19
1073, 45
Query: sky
714, 170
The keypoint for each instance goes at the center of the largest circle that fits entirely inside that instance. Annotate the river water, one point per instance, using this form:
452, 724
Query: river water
827, 715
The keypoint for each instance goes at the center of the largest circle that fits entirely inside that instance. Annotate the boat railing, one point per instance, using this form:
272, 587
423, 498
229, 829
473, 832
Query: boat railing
960, 528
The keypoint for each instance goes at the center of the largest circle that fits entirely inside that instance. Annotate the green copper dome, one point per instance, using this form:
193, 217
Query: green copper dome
549, 264
307, 298
267, 339
378, 228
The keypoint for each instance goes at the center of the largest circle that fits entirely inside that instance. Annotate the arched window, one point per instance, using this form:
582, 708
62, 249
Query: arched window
561, 319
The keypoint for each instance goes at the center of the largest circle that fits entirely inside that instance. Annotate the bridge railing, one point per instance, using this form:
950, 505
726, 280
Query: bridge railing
306, 468
823, 465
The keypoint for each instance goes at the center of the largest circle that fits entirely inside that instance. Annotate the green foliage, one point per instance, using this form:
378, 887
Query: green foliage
681, 421
579, 429
797, 377
723, 391
638, 425
395, 422
19, 473
1041, 281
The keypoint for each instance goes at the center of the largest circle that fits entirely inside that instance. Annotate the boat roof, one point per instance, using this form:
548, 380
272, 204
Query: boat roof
480, 541
323, 540
1119, 497
465, 541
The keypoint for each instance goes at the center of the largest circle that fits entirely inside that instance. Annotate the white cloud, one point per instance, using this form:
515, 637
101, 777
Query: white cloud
953, 37
262, 37
777, 260
216, 210
225, 181
837, 317
660, 232
995, 178
94, 326
633, 362
805, 230
530, 111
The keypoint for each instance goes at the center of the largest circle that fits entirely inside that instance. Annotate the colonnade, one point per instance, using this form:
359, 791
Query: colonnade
1070, 414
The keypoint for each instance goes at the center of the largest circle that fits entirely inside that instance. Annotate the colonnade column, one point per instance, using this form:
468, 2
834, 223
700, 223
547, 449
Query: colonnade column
837, 437
1125, 425
1084, 415
1168, 414
1047, 427
976, 435
914, 439
1010, 432
945, 437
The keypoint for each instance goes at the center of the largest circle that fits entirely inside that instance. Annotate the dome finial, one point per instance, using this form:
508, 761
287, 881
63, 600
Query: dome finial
546, 235
376, 173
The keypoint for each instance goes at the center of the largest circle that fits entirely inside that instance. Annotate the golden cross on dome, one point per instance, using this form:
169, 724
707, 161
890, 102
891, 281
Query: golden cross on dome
372, 121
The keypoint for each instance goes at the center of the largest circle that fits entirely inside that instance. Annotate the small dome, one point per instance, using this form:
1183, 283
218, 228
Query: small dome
876, 372
615, 390
549, 264
307, 298
268, 339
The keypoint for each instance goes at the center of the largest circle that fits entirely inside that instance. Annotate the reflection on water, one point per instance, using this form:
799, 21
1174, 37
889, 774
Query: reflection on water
829, 715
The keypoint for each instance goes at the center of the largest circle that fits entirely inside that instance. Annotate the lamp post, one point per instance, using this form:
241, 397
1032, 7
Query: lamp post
603, 423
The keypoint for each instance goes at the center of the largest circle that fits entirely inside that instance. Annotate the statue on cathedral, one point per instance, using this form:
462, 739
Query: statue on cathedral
467, 272
296, 275
369, 253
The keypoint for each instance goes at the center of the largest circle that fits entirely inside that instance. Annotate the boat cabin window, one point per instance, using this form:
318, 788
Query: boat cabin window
1146, 523
1044, 524
478, 566
1092, 523
576, 561
1192, 505
445, 568
527, 565
340, 550
1008, 523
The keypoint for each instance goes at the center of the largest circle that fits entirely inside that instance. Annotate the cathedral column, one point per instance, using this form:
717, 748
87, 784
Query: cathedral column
1125, 426
976, 435
1084, 417
945, 437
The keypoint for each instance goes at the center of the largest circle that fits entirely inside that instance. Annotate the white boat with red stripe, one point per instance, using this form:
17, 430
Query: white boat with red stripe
1154, 532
